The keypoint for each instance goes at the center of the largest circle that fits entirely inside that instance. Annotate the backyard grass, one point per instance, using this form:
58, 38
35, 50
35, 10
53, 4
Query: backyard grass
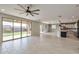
15, 33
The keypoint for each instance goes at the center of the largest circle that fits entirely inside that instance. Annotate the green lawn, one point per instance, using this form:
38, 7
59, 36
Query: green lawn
8, 35
15, 33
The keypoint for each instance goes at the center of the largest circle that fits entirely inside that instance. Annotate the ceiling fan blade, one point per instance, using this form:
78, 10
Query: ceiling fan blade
36, 13
36, 10
21, 6
31, 14
18, 9
22, 13
27, 14
30, 5
25, 6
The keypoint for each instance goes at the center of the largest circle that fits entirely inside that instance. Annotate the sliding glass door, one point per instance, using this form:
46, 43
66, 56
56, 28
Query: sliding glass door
14, 29
7, 29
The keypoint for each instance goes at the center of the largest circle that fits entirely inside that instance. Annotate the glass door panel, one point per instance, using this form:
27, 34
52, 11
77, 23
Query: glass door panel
17, 29
7, 29
24, 29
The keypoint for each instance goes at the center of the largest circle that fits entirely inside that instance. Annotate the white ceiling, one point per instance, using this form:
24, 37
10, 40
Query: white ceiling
48, 12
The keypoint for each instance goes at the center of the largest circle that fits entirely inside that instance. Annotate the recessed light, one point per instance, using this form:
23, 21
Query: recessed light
2, 9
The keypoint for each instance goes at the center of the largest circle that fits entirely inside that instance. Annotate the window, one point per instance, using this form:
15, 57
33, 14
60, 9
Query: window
53, 26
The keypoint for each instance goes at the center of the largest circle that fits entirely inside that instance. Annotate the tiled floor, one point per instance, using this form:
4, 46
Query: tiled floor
45, 44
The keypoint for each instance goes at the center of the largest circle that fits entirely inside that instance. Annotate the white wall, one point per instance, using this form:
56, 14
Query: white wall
35, 29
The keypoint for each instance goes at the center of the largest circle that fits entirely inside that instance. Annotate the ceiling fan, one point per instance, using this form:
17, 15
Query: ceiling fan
26, 10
